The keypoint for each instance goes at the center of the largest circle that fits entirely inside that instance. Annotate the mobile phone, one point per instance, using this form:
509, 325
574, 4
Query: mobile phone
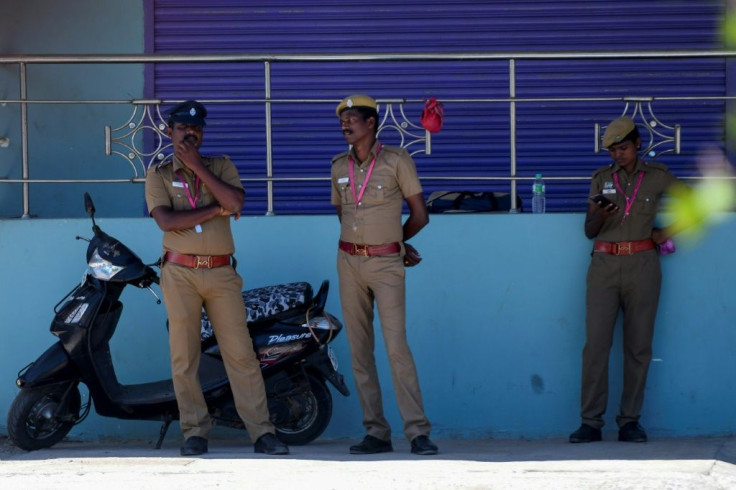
601, 199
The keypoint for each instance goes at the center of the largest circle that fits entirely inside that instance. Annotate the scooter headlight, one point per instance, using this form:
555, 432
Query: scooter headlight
102, 269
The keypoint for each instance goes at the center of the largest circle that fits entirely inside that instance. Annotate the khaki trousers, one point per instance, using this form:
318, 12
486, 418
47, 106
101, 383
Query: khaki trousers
185, 291
363, 280
631, 284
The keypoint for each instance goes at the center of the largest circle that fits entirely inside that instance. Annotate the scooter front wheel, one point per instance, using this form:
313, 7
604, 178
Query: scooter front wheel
37, 418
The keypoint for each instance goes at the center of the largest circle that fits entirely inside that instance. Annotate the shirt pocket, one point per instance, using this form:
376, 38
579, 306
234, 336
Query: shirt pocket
645, 204
380, 189
205, 196
179, 199
343, 190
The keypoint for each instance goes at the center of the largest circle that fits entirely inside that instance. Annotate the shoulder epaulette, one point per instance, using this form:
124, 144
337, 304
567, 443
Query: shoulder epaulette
341, 155
397, 150
657, 165
167, 161
603, 169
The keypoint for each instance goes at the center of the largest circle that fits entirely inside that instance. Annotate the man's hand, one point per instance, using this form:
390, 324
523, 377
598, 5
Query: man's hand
659, 235
412, 257
597, 214
608, 209
226, 212
188, 152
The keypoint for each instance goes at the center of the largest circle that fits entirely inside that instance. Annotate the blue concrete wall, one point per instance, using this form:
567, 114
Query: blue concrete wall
495, 312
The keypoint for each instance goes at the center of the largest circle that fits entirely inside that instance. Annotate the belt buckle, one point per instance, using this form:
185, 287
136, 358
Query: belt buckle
204, 261
624, 248
360, 250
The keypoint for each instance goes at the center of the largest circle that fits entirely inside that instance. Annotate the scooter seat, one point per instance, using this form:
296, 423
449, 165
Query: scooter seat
268, 301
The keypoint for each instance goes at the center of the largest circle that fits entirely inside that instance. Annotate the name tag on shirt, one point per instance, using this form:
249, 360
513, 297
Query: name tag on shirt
343, 180
180, 184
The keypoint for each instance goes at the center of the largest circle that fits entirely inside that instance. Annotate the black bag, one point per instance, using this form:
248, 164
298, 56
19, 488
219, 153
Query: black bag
470, 202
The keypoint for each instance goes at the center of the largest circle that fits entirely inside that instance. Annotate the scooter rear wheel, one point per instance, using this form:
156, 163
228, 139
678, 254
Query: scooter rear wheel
302, 417
36, 419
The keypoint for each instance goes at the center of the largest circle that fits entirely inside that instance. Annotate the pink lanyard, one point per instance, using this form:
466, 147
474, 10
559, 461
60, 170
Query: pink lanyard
359, 197
629, 200
192, 199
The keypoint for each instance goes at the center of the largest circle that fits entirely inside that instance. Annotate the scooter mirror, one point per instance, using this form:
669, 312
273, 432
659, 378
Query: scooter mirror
88, 204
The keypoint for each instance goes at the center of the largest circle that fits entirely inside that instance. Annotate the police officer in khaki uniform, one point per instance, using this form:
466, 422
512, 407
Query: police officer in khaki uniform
624, 274
192, 197
369, 185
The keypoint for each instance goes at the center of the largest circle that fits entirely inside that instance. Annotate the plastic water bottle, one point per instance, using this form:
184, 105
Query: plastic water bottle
538, 199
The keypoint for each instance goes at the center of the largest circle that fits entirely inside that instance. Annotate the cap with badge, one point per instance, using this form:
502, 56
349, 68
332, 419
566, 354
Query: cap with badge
188, 112
356, 101
618, 130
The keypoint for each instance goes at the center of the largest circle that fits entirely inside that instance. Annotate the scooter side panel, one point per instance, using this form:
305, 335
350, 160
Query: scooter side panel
320, 361
53, 366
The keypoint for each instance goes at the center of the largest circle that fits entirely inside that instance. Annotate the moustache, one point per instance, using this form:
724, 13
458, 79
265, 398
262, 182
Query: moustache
190, 138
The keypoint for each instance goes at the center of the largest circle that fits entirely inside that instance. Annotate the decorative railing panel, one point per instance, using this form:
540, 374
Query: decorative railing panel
141, 139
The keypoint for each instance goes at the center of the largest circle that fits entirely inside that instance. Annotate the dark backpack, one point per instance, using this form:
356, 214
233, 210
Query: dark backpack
470, 202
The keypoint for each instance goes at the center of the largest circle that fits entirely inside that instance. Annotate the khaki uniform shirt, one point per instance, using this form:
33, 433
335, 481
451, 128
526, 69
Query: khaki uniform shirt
167, 185
377, 218
640, 221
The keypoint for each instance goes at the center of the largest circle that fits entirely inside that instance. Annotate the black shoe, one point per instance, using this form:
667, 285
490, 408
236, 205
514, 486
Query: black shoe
423, 446
632, 432
268, 444
371, 445
586, 433
194, 446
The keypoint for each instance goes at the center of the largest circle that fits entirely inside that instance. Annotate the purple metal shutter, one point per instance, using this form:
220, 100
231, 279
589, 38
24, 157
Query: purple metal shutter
555, 139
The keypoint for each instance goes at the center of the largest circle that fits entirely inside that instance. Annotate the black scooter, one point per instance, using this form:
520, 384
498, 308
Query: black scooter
288, 324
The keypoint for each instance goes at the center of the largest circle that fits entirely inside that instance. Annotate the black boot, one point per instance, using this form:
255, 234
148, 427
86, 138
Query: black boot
586, 433
371, 445
269, 444
423, 446
194, 446
632, 432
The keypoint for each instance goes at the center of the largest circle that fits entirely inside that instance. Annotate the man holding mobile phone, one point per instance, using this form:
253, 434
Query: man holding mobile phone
603, 202
624, 274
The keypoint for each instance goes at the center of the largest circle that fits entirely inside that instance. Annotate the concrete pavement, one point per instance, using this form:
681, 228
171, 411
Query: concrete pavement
679, 463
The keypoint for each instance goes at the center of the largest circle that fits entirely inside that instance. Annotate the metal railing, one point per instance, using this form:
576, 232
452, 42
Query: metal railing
147, 117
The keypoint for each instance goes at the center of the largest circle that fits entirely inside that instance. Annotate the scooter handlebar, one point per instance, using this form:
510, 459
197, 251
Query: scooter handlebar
149, 277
